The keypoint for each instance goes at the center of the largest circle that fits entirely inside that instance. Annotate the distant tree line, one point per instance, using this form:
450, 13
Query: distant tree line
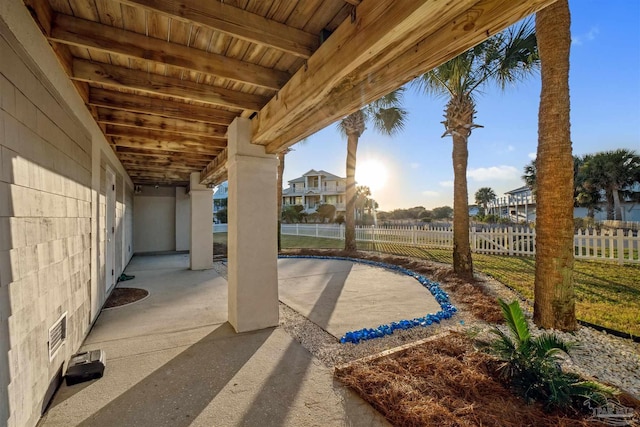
417, 213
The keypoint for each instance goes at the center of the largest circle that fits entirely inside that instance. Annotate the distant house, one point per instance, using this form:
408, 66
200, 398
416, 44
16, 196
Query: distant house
220, 196
315, 188
520, 205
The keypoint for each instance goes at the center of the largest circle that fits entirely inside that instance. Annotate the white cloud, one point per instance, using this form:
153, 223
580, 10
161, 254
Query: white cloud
414, 165
511, 148
430, 193
493, 173
448, 184
532, 156
590, 35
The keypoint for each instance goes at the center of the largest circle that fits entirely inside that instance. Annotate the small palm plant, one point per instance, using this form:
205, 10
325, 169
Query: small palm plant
532, 365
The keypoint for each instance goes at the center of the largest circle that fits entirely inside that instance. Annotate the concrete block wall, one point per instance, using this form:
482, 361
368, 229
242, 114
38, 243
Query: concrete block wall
51, 252
45, 243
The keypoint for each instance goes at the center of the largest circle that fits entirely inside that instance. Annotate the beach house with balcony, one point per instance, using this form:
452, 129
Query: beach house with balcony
519, 205
316, 188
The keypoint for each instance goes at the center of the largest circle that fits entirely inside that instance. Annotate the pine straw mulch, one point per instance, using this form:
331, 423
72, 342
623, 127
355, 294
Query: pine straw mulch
124, 296
444, 382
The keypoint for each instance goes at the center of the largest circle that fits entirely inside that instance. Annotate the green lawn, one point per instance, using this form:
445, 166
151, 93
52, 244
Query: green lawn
608, 294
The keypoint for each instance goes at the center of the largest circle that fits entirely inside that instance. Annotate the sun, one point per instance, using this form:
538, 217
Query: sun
372, 173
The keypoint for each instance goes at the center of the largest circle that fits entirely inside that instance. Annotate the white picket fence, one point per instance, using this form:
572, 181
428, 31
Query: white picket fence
610, 245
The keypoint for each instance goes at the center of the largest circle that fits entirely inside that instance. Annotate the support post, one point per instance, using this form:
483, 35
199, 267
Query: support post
252, 239
201, 246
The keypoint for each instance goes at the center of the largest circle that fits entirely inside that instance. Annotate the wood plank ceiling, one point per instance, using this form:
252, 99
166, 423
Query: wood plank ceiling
165, 78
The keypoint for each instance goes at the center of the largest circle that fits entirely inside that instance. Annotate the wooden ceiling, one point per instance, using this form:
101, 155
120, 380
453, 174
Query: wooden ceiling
165, 78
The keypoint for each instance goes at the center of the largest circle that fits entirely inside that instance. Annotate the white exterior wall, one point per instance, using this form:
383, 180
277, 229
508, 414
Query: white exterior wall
154, 228
183, 219
52, 221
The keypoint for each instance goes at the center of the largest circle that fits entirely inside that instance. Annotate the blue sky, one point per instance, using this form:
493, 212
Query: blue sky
414, 168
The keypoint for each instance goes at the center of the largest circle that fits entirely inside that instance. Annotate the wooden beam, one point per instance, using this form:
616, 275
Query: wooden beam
171, 157
236, 22
147, 121
121, 77
167, 183
133, 167
178, 147
375, 78
152, 161
379, 25
41, 12
151, 135
158, 107
93, 35
162, 155
216, 171
157, 177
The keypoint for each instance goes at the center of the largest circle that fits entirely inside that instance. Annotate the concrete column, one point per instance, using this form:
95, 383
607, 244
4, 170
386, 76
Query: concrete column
252, 239
201, 247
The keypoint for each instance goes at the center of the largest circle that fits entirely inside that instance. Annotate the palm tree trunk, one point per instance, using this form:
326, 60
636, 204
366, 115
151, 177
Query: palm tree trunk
462, 263
610, 204
616, 204
279, 195
554, 305
350, 194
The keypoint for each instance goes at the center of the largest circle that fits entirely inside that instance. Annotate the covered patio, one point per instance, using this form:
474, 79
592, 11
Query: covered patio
174, 360
118, 117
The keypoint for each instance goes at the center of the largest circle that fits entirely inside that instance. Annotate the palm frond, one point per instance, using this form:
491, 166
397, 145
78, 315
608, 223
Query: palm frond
503, 347
515, 320
389, 121
549, 344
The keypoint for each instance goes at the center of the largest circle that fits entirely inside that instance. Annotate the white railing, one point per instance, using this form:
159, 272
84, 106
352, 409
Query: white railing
220, 228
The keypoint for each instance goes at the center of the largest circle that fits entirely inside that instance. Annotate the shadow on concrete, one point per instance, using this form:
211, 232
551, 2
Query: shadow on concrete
177, 392
273, 392
323, 309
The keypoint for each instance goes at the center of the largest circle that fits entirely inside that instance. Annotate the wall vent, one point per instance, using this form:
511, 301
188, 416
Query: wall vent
57, 335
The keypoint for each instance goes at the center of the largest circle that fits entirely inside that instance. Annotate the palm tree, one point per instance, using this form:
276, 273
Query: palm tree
554, 303
503, 59
611, 172
363, 193
584, 195
387, 117
485, 195
529, 176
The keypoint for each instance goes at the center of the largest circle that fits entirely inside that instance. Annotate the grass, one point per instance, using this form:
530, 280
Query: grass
607, 294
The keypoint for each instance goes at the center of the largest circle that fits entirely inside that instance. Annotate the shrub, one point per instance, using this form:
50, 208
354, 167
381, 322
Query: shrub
532, 365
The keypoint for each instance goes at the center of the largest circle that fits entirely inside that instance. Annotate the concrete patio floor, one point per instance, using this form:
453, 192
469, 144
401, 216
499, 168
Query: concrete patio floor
173, 360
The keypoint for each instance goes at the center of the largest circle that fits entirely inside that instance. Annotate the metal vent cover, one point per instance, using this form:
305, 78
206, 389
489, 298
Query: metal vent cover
57, 335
